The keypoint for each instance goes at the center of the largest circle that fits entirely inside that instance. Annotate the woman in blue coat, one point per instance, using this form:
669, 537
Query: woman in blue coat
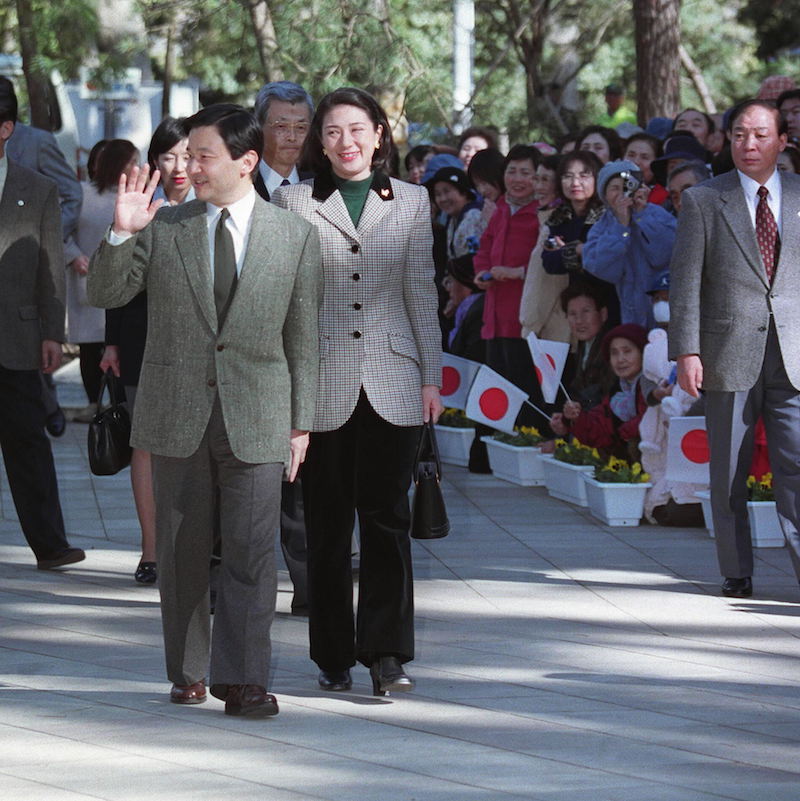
631, 243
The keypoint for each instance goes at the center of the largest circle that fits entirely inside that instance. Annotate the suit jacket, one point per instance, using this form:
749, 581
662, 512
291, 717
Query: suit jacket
31, 268
264, 361
38, 151
720, 300
378, 324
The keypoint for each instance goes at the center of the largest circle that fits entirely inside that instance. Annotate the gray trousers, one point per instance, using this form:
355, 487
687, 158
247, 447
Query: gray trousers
249, 507
730, 421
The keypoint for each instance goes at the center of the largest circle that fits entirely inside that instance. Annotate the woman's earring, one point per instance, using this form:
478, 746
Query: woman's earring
377, 144
324, 152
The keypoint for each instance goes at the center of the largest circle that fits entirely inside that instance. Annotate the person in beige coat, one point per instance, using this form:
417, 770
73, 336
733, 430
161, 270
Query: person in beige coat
380, 370
226, 394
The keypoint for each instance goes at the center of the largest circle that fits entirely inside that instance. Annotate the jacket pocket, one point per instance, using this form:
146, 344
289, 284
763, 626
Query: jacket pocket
29, 312
404, 346
715, 325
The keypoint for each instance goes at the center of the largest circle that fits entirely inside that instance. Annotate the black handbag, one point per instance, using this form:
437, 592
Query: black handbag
428, 513
109, 441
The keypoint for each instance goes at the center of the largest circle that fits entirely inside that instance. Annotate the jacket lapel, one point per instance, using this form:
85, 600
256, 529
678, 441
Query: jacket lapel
375, 209
789, 258
335, 212
737, 216
261, 251
192, 244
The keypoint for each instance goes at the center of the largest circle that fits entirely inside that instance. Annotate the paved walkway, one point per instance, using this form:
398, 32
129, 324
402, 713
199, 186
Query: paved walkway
558, 660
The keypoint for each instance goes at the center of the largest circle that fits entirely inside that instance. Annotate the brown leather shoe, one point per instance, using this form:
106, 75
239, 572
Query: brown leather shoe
68, 557
188, 693
250, 700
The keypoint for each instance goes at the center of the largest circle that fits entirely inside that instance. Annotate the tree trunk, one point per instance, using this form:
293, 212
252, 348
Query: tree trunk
38, 92
169, 70
658, 37
700, 85
266, 40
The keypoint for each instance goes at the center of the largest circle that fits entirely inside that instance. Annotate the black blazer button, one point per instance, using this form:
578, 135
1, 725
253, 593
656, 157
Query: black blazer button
354, 248
212, 382
357, 306
356, 335
356, 276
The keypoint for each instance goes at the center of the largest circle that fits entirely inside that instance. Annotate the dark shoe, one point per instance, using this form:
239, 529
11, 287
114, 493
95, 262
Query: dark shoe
737, 587
188, 693
56, 423
300, 610
146, 573
388, 676
250, 700
335, 680
68, 557
220, 691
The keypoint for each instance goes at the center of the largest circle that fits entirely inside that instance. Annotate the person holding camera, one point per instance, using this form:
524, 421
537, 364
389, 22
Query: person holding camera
632, 241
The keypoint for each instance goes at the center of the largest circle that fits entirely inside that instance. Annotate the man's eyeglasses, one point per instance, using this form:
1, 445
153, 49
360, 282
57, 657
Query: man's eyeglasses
285, 128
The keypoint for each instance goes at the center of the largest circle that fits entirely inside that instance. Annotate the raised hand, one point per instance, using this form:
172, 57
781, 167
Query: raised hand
135, 208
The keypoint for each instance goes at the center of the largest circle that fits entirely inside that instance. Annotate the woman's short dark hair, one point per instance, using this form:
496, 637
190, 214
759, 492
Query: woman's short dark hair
169, 132
583, 291
111, 163
236, 125
488, 166
551, 162
609, 134
94, 154
479, 130
653, 141
585, 158
417, 153
313, 156
523, 153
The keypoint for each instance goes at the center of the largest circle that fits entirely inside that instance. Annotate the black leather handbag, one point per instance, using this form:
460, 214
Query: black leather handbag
428, 513
109, 441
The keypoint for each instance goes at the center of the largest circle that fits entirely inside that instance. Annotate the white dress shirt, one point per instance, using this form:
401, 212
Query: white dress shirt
750, 188
272, 179
238, 224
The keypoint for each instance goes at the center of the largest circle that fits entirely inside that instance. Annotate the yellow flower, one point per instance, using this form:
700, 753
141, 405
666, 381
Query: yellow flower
560, 443
751, 482
595, 453
644, 477
636, 469
766, 481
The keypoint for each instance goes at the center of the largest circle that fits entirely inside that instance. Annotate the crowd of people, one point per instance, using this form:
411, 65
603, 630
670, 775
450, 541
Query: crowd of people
271, 290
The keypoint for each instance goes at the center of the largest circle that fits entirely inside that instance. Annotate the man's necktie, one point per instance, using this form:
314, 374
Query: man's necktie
285, 182
224, 267
767, 234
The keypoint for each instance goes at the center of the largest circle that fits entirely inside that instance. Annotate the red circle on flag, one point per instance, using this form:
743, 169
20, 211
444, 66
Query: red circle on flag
694, 446
538, 374
494, 403
451, 380
551, 360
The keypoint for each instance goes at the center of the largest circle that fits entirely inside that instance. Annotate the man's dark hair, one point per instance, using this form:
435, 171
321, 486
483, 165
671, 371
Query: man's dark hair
8, 101
697, 168
287, 91
583, 291
111, 162
348, 96
745, 105
169, 132
236, 125
653, 141
523, 153
789, 94
708, 118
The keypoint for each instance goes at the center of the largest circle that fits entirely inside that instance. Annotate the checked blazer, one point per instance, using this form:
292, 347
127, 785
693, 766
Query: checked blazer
378, 326
262, 363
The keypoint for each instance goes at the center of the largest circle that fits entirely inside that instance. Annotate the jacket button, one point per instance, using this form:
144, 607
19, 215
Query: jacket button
356, 276
357, 306
356, 335
211, 382
220, 347
354, 248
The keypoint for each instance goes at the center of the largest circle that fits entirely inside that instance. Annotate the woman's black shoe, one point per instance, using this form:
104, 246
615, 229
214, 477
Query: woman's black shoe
146, 573
388, 676
335, 679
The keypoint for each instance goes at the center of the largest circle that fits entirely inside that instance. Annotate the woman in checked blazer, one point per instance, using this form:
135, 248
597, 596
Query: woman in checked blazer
379, 380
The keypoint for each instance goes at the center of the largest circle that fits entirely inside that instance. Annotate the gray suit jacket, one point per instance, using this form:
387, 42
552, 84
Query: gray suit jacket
31, 268
720, 301
378, 325
264, 361
38, 151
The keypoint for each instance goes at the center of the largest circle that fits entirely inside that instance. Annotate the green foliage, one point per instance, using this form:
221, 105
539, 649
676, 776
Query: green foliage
523, 437
776, 24
618, 471
574, 453
455, 418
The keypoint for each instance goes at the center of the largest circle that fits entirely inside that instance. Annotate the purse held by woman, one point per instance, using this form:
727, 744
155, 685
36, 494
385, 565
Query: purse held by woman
428, 513
109, 433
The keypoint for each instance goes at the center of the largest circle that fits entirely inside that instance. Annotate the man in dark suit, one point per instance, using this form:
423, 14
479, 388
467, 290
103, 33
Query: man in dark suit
31, 333
226, 395
735, 328
283, 110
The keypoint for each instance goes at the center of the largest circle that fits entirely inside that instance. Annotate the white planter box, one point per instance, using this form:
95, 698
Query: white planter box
454, 444
704, 496
765, 528
517, 465
616, 504
565, 481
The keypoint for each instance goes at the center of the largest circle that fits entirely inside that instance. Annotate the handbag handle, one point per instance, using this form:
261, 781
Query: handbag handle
107, 381
428, 448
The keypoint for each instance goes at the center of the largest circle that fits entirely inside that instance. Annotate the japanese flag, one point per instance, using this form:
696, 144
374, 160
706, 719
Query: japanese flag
494, 401
549, 358
457, 377
687, 450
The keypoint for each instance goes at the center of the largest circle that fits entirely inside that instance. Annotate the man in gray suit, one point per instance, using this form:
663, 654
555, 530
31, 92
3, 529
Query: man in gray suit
227, 393
735, 329
31, 333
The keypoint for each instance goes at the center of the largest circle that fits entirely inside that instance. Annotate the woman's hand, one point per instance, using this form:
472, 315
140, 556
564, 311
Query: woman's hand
110, 359
641, 198
80, 264
507, 273
431, 403
560, 428
621, 208
572, 410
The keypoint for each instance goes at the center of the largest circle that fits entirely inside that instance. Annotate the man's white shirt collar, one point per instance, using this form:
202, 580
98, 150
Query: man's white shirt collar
238, 224
272, 179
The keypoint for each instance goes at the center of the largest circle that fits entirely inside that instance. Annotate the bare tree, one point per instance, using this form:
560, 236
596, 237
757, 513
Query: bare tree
266, 40
658, 64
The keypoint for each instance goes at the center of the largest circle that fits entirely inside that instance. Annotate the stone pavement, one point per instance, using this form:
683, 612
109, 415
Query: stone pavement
557, 660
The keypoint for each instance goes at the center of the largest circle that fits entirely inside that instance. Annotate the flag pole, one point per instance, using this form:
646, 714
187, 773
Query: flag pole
537, 409
565, 391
